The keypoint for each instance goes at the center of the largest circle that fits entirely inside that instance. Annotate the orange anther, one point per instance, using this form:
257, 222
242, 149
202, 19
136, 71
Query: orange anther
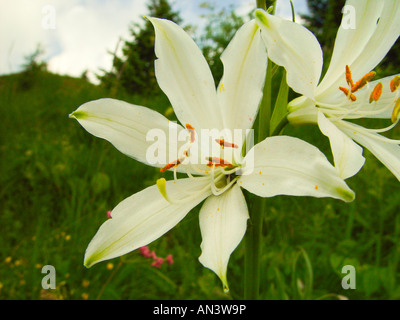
192, 132
363, 81
172, 164
224, 144
395, 83
349, 78
349, 95
218, 162
376, 93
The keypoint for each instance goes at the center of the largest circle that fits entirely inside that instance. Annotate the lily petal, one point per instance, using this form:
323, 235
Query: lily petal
185, 77
289, 166
363, 46
126, 126
385, 35
223, 222
386, 152
346, 153
294, 47
240, 90
144, 217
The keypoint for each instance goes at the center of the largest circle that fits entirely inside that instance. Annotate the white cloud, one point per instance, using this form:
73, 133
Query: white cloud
87, 33
85, 30
20, 32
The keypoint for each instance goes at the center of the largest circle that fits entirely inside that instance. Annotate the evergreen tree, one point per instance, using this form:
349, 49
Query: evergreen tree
134, 71
324, 20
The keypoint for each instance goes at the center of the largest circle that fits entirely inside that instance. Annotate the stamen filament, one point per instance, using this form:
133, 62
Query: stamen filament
221, 191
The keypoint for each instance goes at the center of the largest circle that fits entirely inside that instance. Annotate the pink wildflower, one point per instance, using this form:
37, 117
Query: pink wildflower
109, 214
158, 262
145, 252
169, 259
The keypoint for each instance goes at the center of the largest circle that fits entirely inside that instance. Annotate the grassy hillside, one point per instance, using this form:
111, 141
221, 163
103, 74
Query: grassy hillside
57, 183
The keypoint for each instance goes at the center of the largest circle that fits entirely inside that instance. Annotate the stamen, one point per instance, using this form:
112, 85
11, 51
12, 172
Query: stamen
376, 93
172, 164
218, 162
349, 78
224, 144
349, 95
363, 81
395, 83
192, 132
396, 111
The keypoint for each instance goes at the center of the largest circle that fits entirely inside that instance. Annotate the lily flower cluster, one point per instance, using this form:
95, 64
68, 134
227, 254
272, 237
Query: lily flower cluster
278, 165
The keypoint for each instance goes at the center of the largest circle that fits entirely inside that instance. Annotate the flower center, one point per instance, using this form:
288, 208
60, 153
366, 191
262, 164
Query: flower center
353, 109
222, 173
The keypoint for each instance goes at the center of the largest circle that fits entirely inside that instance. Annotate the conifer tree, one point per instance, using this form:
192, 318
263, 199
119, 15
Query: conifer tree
134, 70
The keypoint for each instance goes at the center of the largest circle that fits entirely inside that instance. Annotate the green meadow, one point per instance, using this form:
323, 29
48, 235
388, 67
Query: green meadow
57, 183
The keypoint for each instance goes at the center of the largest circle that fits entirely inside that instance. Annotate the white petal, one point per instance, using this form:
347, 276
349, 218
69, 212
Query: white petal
302, 110
386, 33
223, 222
362, 47
183, 74
128, 127
144, 217
387, 153
240, 90
294, 47
347, 154
289, 166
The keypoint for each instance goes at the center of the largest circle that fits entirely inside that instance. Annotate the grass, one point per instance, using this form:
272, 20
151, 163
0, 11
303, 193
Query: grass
57, 183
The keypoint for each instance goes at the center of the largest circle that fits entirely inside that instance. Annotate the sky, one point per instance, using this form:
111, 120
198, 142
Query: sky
77, 35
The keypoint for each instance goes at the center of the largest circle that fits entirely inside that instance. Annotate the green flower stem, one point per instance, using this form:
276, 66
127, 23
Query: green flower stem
254, 231
252, 254
264, 117
262, 4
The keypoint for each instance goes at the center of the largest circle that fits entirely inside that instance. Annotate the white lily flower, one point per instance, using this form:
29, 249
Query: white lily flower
338, 98
282, 165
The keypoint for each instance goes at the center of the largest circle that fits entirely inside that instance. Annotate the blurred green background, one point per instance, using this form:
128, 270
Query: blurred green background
58, 182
